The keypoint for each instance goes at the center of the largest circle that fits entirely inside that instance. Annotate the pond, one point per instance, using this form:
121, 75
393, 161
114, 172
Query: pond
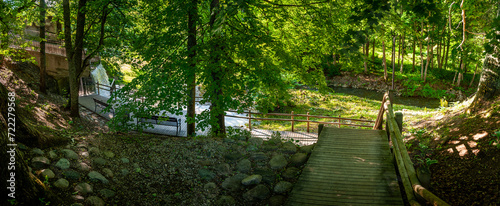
408, 101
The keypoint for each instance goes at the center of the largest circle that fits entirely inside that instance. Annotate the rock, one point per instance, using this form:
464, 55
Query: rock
81, 145
252, 180
77, 198
290, 173
278, 162
84, 188
251, 148
255, 141
125, 160
71, 174
39, 162
82, 166
307, 149
70, 154
61, 183
274, 141
244, 166
84, 154
283, 187
94, 201
124, 172
108, 172
107, 193
63, 163
259, 156
225, 200
109, 154
268, 176
210, 186
289, 147
48, 173
233, 156
52, 154
37, 151
233, 183
96, 176
99, 161
298, 159
259, 192
206, 174
223, 169
94, 151
277, 200
270, 147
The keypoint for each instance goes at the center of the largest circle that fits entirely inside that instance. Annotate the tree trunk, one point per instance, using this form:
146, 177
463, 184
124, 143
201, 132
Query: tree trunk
489, 83
216, 109
414, 45
191, 80
402, 54
43, 58
473, 77
384, 61
429, 56
447, 52
373, 50
18, 183
399, 50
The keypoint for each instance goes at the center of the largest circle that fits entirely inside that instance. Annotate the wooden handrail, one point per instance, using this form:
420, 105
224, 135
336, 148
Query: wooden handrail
411, 183
303, 115
299, 120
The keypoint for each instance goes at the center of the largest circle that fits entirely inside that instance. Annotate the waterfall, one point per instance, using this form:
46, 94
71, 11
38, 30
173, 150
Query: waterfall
99, 75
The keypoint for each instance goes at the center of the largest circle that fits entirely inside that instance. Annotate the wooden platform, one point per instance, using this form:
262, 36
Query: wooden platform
348, 167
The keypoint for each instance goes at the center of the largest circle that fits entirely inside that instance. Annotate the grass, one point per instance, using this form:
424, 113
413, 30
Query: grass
331, 104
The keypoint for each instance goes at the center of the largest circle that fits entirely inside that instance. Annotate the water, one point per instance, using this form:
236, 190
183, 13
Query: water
408, 101
99, 75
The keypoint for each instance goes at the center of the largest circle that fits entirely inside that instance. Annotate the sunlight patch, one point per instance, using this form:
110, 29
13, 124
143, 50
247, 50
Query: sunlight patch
454, 142
462, 150
463, 137
479, 136
472, 143
450, 150
475, 151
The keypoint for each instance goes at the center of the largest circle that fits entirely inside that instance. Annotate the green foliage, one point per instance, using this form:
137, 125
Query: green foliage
496, 140
237, 133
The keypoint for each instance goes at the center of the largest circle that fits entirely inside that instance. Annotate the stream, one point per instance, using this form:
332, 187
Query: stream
374, 95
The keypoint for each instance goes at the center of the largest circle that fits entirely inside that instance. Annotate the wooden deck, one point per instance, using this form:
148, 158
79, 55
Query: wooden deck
348, 167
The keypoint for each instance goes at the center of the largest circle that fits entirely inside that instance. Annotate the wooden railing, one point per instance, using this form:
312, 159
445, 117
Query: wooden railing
111, 88
340, 120
411, 183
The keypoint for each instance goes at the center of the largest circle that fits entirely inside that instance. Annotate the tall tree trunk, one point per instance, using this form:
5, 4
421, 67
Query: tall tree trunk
367, 46
216, 108
473, 77
402, 54
43, 58
447, 52
414, 45
384, 61
399, 50
191, 80
373, 50
429, 56
365, 49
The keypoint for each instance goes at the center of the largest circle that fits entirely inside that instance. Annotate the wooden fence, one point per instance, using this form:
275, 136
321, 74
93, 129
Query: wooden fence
411, 184
340, 120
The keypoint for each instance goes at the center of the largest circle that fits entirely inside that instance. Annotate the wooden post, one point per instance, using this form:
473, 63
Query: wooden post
338, 125
98, 93
307, 122
399, 120
292, 121
250, 119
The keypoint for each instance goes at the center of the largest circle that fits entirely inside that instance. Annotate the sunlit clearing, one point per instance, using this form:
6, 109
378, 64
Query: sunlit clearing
462, 150
479, 136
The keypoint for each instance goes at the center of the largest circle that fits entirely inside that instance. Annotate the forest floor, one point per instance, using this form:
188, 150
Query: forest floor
464, 144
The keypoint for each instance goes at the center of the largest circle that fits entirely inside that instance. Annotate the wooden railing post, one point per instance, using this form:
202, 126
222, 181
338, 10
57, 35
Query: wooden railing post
292, 121
250, 119
307, 122
320, 128
98, 93
338, 125
399, 120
